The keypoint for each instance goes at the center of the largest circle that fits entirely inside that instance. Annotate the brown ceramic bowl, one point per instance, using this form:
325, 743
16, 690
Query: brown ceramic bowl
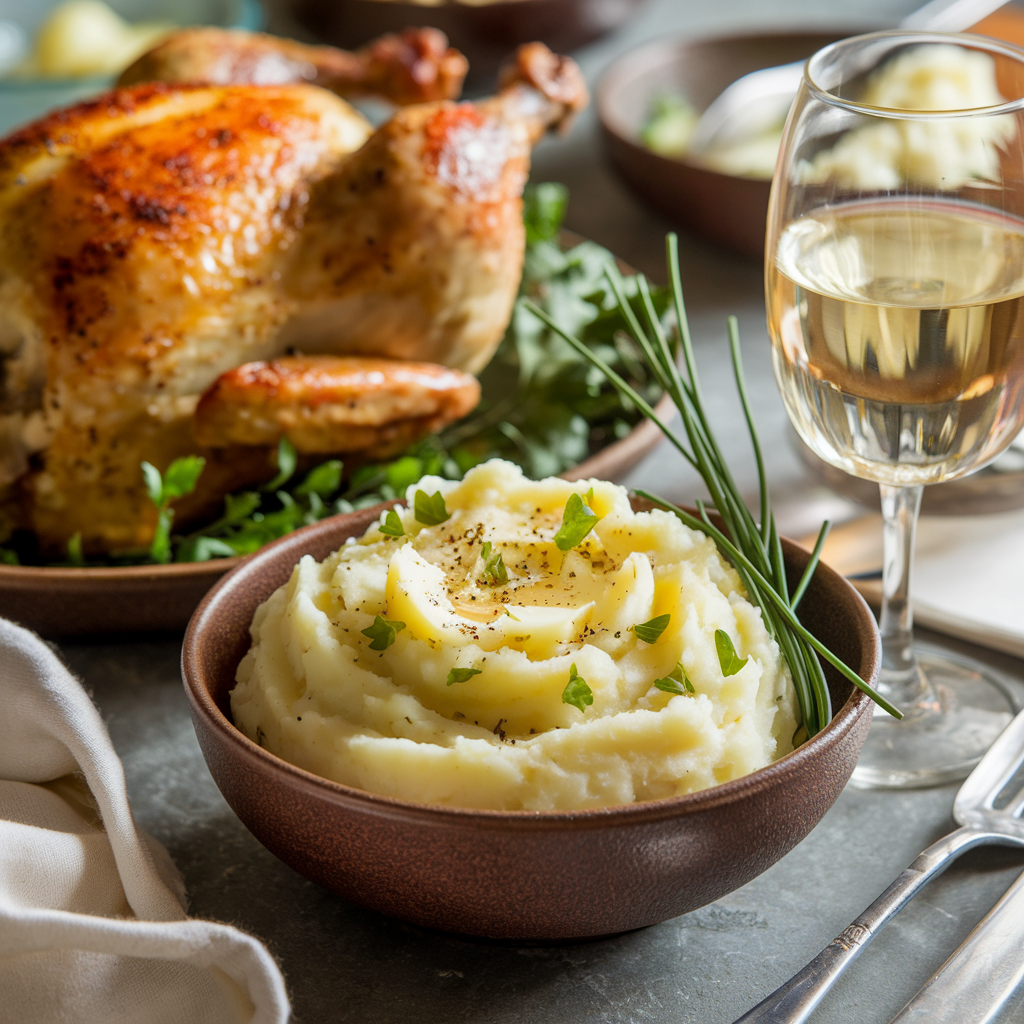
519, 875
486, 33
728, 210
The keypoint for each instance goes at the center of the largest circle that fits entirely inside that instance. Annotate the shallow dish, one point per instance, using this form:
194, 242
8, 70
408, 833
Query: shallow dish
725, 209
518, 875
160, 598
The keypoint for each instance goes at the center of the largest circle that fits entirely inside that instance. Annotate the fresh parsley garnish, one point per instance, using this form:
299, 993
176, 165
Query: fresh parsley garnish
578, 519
287, 461
577, 692
461, 675
727, 657
677, 681
544, 208
382, 632
392, 525
75, 556
429, 509
650, 631
494, 565
322, 480
180, 478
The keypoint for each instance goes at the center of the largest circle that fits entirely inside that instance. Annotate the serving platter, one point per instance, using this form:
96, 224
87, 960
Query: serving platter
161, 598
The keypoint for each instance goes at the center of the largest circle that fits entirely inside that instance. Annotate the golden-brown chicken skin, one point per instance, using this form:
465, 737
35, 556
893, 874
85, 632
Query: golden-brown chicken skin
160, 236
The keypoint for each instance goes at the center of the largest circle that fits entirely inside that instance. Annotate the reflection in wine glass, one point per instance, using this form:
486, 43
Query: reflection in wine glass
895, 288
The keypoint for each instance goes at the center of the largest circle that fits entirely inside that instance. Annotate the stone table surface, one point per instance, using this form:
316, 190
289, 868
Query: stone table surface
343, 963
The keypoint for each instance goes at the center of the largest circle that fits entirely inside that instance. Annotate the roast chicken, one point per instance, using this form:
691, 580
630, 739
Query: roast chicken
208, 268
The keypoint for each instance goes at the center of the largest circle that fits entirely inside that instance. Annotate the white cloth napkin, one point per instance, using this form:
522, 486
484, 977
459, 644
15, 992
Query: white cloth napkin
968, 574
969, 578
92, 919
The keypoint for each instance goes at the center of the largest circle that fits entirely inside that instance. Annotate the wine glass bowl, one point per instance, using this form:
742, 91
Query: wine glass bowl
895, 292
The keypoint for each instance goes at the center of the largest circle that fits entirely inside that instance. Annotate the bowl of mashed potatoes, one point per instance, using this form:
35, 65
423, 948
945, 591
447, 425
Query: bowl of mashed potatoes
477, 709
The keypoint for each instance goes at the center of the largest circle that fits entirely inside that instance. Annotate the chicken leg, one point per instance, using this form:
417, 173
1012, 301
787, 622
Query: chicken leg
414, 66
413, 248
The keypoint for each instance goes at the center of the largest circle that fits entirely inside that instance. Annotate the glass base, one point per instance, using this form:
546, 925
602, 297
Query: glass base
941, 739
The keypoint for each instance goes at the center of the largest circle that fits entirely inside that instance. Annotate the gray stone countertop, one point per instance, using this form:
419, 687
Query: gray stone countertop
343, 963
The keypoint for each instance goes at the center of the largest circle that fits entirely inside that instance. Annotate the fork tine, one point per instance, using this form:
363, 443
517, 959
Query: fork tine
994, 772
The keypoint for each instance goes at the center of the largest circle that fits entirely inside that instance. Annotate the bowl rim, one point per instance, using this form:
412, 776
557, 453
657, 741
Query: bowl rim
649, 811
658, 53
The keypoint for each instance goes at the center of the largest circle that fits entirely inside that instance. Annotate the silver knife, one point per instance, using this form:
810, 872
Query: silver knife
978, 980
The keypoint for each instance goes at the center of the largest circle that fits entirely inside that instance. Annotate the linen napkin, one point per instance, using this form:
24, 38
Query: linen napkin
967, 579
92, 919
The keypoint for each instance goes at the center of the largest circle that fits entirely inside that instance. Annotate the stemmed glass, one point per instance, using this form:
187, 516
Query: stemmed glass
895, 290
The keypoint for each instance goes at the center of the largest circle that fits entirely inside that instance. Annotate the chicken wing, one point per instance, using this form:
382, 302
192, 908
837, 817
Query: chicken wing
333, 404
414, 66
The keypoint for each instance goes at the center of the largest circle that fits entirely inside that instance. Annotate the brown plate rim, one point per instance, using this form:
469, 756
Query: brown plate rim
842, 722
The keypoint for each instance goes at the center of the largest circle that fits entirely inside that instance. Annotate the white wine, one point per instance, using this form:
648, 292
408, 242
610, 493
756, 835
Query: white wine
898, 335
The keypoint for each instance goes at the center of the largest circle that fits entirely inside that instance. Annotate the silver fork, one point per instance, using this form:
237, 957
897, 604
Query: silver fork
992, 782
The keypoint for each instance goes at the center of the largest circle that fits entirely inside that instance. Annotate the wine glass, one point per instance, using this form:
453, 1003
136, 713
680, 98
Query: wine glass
895, 293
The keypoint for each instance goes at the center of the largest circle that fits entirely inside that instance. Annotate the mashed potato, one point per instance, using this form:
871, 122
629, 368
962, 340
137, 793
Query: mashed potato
943, 154
475, 690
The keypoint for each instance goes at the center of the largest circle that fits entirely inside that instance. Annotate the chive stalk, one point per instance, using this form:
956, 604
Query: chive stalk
752, 546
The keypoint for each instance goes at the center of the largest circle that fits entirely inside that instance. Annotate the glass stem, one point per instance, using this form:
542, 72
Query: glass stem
901, 681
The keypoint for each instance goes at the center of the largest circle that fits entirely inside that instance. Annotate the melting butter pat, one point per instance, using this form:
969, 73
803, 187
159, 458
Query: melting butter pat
465, 706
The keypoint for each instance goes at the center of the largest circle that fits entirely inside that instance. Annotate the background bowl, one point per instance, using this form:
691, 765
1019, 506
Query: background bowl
722, 208
23, 100
486, 33
519, 875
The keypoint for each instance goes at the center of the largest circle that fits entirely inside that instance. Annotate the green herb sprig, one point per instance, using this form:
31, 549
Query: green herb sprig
577, 692
650, 631
392, 525
382, 632
494, 565
578, 519
753, 547
462, 675
180, 478
429, 509
676, 682
729, 661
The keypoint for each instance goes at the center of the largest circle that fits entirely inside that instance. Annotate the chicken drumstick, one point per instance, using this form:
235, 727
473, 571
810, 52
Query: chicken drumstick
414, 66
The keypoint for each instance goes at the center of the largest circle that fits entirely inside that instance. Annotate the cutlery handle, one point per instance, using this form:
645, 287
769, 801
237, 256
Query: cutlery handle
974, 984
794, 1001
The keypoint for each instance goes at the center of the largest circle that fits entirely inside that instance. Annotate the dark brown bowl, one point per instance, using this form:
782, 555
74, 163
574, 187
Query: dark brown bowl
485, 33
519, 875
728, 210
